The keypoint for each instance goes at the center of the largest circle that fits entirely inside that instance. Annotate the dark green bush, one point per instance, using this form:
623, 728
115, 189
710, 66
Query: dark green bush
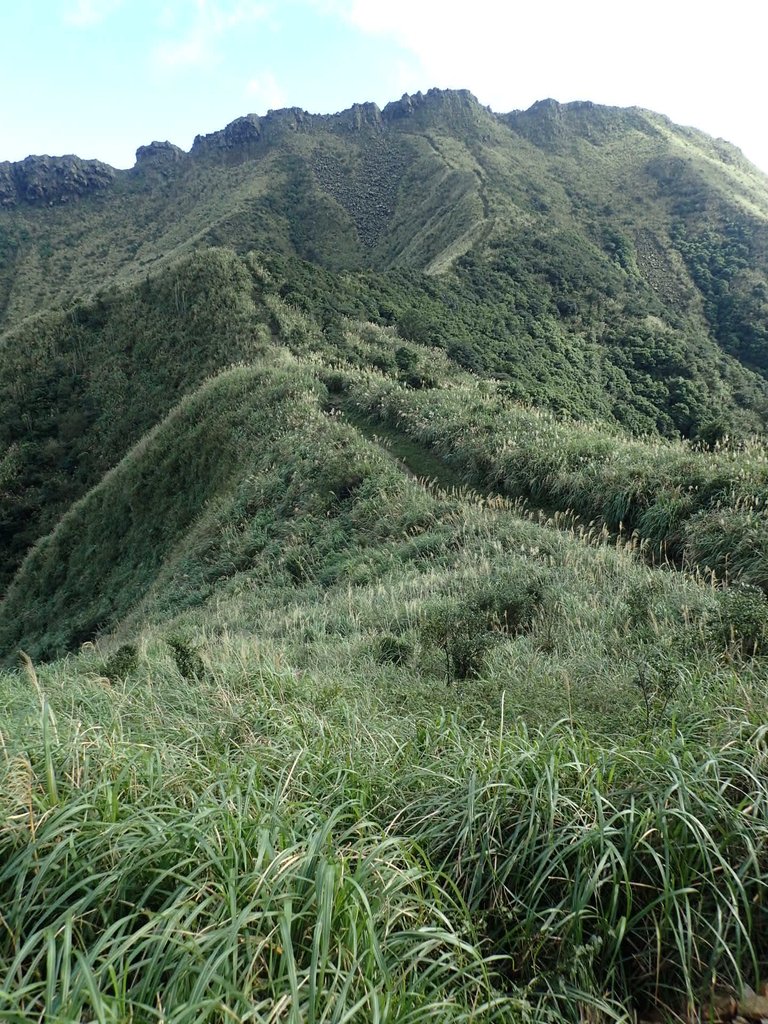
406, 358
335, 382
122, 662
461, 633
393, 650
512, 605
188, 661
464, 629
740, 625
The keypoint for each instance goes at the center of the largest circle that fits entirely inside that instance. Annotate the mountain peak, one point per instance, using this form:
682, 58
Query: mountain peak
159, 154
52, 179
547, 123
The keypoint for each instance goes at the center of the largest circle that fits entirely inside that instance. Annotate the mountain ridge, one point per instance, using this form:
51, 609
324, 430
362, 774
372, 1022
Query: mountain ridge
46, 178
70, 175
419, 184
595, 262
384, 573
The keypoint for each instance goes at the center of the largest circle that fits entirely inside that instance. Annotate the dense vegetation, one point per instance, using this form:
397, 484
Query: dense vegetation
384, 627
80, 387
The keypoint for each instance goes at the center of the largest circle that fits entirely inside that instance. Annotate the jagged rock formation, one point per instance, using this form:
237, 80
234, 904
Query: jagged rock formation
159, 156
52, 180
244, 134
450, 104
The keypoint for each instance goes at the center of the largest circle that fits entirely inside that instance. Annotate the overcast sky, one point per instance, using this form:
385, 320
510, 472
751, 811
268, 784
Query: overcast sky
101, 77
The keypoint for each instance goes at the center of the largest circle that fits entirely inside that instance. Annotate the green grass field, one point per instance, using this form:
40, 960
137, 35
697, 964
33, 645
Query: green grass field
271, 844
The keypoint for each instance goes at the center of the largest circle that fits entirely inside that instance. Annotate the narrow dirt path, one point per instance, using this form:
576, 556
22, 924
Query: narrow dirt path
418, 462
433, 473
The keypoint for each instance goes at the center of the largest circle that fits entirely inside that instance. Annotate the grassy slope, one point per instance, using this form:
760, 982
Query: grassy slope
321, 742
91, 381
500, 316
107, 548
250, 492
335, 851
341, 746
267, 757
702, 509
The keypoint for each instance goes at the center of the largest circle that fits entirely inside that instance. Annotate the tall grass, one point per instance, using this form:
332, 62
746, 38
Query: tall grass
232, 851
637, 869
706, 510
177, 880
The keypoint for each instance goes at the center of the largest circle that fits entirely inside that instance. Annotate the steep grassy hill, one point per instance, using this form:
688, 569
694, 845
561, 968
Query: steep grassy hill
80, 387
347, 734
92, 380
384, 561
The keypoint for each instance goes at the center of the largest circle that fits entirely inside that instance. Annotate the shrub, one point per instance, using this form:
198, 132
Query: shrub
512, 605
393, 650
188, 661
406, 359
740, 624
335, 382
657, 684
122, 662
462, 633
465, 629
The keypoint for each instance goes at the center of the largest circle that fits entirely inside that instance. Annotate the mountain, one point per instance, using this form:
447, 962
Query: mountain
598, 262
609, 240
384, 533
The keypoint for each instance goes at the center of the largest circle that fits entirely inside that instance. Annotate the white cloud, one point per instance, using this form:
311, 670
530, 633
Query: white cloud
265, 92
699, 66
85, 13
192, 49
196, 46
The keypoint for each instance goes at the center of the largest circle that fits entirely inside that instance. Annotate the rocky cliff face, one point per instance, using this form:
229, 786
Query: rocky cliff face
246, 135
52, 180
159, 155
452, 104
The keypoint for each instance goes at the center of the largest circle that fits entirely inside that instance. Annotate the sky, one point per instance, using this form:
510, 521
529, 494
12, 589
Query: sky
101, 77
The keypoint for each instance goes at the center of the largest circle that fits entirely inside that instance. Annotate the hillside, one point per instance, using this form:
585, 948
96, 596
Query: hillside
633, 249
384, 560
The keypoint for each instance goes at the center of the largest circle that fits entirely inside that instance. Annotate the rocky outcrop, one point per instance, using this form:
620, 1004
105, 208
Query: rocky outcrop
52, 179
159, 156
244, 135
8, 194
451, 102
451, 109
357, 117
248, 135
